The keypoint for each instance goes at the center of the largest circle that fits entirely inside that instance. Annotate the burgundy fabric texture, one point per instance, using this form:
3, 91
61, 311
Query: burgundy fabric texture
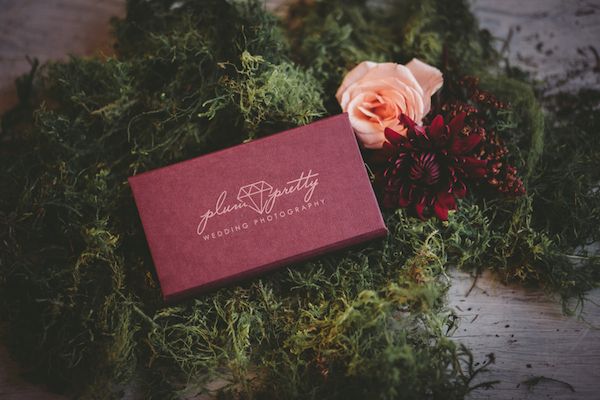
250, 208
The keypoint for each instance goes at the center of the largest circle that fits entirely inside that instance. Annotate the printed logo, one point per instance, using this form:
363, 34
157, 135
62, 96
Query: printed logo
261, 197
255, 195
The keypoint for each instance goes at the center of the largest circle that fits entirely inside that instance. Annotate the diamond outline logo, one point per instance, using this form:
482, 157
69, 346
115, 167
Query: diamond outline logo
255, 195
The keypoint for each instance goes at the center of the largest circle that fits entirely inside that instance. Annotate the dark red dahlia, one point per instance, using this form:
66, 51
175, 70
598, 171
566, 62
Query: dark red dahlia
430, 167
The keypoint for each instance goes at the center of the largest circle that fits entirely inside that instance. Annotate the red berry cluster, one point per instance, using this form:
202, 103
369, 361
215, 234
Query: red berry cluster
501, 175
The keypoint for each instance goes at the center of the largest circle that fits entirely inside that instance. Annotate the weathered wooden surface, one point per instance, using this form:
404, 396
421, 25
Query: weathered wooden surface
555, 40
50, 30
530, 336
527, 331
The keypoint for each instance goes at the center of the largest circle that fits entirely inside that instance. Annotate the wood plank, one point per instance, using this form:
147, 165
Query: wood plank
50, 30
530, 336
554, 40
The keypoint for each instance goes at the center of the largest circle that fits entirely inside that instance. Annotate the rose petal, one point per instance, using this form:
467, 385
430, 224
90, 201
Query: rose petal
390, 87
415, 103
429, 78
353, 76
366, 90
392, 70
369, 133
369, 141
375, 95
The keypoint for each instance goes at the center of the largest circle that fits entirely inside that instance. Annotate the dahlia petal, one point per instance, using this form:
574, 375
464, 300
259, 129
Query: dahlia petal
444, 202
445, 198
386, 152
478, 172
473, 162
460, 190
419, 207
407, 121
457, 123
441, 211
404, 197
449, 201
392, 136
462, 145
403, 202
415, 194
474, 167
472, 141
435, 129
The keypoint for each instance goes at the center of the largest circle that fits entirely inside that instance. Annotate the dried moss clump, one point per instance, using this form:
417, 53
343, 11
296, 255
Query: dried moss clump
77, 286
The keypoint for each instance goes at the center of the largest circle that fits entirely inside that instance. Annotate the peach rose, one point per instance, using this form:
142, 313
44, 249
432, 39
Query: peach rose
375, 95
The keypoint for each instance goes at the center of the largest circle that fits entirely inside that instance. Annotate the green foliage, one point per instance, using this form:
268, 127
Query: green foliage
78, 288
523, 124
319, 330
501, 236
263, 93
332, 36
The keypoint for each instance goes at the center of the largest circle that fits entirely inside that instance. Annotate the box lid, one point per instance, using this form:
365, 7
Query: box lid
250, 208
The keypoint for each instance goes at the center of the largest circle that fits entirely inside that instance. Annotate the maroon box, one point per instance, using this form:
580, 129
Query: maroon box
250, 208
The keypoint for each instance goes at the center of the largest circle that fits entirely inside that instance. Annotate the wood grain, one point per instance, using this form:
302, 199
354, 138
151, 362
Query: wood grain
50, 30
526, 330
556, 41
530, 336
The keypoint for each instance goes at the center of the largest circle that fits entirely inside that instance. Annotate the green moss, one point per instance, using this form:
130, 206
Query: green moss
523, 125
267, 95
570, 162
